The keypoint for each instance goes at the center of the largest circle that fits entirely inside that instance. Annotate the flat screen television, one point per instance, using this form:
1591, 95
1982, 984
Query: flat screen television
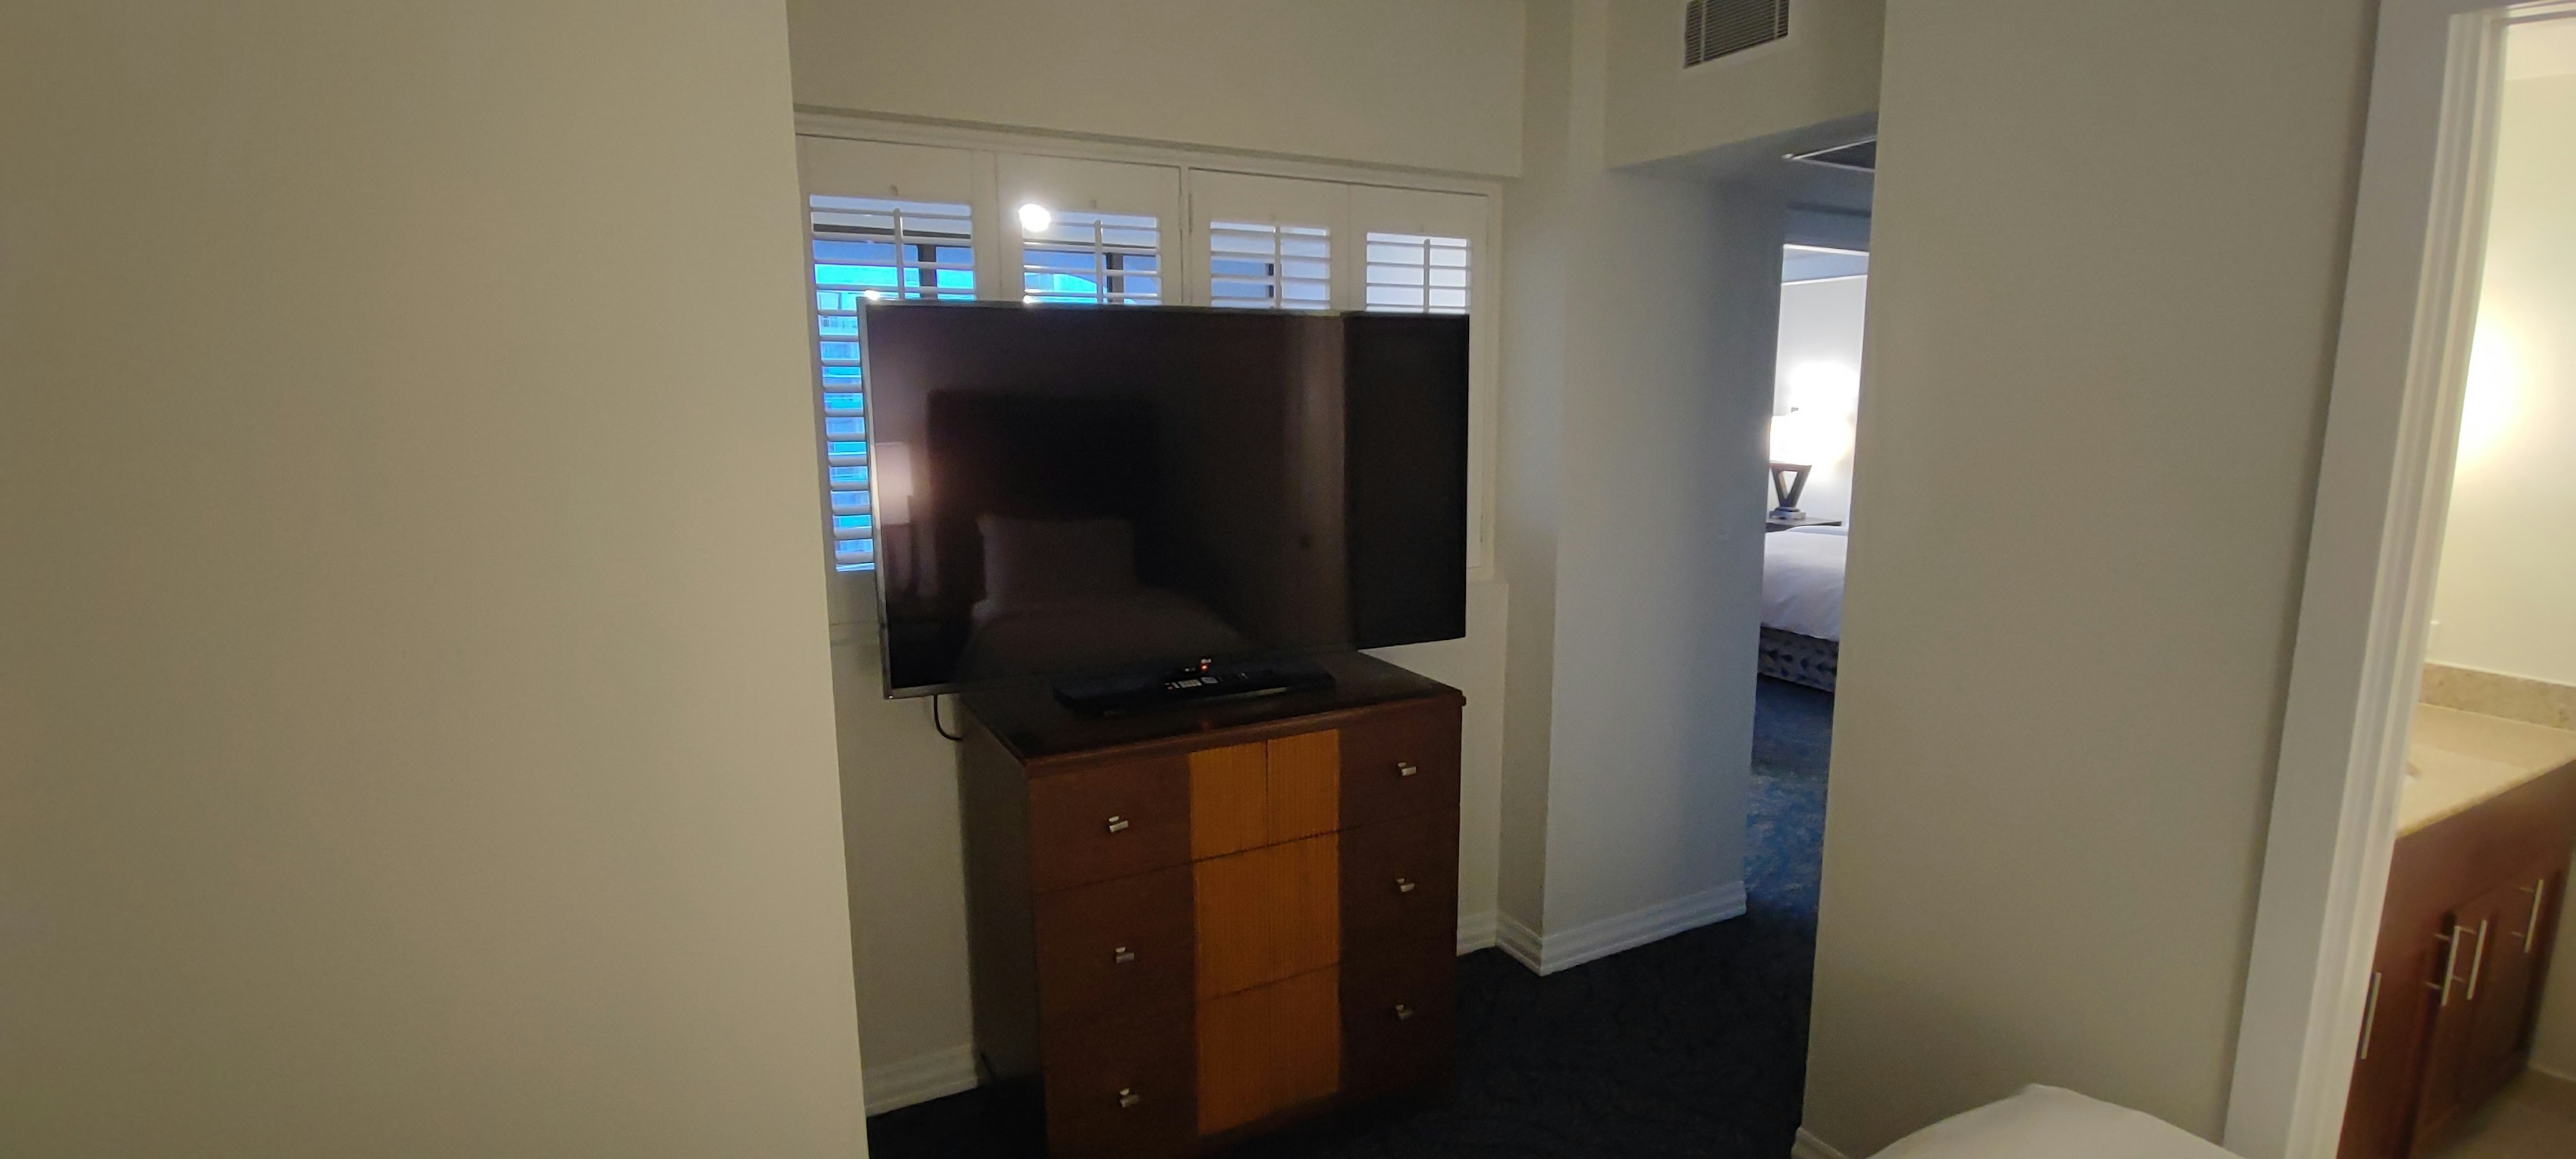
1067, 492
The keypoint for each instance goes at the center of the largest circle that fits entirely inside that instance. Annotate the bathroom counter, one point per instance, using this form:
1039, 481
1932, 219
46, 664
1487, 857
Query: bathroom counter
2460, 760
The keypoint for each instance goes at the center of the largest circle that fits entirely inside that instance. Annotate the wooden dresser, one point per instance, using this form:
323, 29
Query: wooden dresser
1190, 927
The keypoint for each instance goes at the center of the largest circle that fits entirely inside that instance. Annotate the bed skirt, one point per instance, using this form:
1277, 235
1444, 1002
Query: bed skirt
1799, 659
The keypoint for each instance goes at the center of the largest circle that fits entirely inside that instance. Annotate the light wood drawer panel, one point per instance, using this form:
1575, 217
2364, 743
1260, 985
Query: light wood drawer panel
1266, 914
1270, 1048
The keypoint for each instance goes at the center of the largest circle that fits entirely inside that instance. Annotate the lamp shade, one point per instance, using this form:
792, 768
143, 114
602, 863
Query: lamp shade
1809, 438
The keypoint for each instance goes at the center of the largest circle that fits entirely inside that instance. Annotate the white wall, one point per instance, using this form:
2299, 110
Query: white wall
1820, 328
1635, 394
1825, 70
2056, 727
1427, 84
2507, 565
414, 718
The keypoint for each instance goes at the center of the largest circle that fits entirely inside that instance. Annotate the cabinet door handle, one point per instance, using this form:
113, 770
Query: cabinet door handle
1127, 1097
1121, 956
2477, 964
2370, 1016
1117, 824
2450, 962
1405, 769
1404, 886
2531, 933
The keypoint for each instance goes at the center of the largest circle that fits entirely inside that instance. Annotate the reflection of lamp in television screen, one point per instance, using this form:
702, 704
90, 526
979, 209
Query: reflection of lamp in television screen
890, 497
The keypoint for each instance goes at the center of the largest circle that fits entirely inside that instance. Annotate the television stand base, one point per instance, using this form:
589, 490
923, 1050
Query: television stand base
1197, 683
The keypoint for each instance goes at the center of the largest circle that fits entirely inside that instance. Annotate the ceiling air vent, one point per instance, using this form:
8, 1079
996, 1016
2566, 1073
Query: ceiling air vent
1715, 28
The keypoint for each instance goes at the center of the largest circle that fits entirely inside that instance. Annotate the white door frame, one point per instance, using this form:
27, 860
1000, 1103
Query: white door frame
2383, 491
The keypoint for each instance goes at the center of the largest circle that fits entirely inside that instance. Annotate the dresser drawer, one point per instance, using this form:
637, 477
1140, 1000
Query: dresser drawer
1106, 821
1123, 1086
1400, 883
1399, 1018
1400, 764
1123, 944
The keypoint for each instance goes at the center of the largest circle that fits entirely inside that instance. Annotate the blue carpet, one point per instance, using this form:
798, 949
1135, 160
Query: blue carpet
1793, 730
1692, 1046
1793, 736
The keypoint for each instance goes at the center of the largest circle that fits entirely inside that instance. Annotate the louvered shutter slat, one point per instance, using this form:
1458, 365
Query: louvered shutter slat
1256, 266
1417, 273
866, 248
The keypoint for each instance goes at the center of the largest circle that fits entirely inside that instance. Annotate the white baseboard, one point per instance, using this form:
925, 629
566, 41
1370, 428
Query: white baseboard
1518, 940
1810, 1147
1593, 940
919, 1080
1475, 932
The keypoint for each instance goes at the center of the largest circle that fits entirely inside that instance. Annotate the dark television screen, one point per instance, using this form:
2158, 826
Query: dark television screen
1063, 491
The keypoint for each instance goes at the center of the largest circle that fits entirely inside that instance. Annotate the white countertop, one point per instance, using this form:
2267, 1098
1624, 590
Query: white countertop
2461, 760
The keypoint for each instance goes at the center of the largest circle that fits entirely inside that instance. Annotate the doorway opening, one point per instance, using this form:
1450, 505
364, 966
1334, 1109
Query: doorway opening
2406, 998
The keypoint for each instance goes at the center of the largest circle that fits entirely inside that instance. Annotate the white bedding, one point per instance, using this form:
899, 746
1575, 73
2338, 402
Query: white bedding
1802, 581
2049, 1123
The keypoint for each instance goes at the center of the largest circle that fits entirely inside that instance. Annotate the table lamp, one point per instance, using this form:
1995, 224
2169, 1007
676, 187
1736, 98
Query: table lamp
1801, 440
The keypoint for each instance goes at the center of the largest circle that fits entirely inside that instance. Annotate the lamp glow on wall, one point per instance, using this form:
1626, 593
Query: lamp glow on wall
2494, 393
1816, 430
1801, 441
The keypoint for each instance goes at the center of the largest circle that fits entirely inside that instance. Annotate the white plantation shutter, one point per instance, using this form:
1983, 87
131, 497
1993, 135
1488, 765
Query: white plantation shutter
1414, 273
1257, 266
1111, 259
867, 248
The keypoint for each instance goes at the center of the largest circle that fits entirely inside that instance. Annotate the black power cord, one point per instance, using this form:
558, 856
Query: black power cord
935, 723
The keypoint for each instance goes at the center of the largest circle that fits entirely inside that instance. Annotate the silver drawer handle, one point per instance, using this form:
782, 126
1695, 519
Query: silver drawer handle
1122, 955
1405, 769
1117, 824
2478, 964
2531, 933
2450, 963
1127, 1097
1403, 1013
1403, 886
2370, 1017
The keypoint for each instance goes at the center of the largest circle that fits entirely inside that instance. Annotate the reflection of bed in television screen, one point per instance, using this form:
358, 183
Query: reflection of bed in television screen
1103, 490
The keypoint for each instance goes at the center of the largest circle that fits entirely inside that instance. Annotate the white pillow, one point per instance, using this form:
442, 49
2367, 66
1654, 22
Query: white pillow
1036, 560
2050, 1123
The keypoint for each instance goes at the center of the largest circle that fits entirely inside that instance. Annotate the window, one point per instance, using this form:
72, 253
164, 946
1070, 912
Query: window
871, 248
1269, 266
1411, 273
1099, 258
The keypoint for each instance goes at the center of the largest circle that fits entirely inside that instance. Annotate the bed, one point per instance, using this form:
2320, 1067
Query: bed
1802, 605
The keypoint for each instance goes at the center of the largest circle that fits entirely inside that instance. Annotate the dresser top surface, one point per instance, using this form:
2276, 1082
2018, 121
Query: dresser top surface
1034, 727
